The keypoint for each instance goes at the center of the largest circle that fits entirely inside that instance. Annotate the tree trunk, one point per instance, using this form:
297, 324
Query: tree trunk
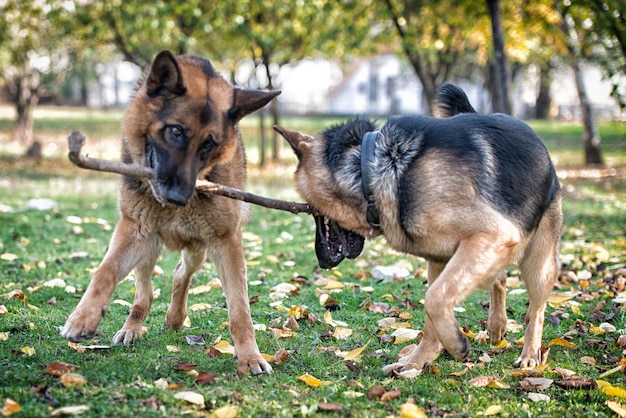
593, 152
502, 73
25, 96
544, 98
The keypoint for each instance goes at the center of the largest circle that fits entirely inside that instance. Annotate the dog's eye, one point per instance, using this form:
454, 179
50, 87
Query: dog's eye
206, 147
176, 134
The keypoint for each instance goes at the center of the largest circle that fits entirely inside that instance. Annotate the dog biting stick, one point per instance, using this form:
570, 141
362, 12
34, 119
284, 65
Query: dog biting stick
76, 141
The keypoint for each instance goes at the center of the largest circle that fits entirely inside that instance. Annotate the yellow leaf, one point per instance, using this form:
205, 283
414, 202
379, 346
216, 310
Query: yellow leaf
341, 333
501, 344
468, 333
403, 335
198, 290
559, 299
597, 330
228, 411
70, 410
588, 360
72, 379
200, 307
334, 284
8, 257
173, 349
268, 358
491, 410
562, 343
489, 381
602, 383
410, 410
224, 347
4, 336
614, 391
498, 384
617, 408
353, 355
576, 309
191, 397
313, 381
29, 351
32, 307
76, 346
10, 407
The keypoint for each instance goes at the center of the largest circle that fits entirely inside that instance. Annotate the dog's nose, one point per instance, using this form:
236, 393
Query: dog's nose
176, 197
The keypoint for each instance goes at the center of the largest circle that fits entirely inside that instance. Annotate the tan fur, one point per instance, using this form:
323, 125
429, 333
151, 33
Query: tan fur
466, 241
206, 224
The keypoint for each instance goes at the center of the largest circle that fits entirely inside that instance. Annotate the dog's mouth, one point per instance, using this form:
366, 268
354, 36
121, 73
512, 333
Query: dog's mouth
151, 162
334, 243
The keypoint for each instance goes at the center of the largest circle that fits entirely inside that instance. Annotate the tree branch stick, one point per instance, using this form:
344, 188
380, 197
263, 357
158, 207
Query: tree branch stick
76, 141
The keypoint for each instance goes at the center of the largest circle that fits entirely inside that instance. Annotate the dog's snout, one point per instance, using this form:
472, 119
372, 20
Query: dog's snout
177, 196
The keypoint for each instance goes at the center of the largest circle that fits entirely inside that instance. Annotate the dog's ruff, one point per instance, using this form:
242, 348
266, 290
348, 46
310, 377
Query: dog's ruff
183, 124
471, 194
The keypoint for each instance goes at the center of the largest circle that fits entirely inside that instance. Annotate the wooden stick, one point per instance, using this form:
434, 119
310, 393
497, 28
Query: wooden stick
76, 141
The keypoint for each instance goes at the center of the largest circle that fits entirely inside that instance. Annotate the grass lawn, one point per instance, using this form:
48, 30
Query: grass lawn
47, 257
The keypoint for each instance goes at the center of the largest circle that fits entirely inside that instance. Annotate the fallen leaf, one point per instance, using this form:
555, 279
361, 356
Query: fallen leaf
538, 397
352, 394
491, 410
194, 340
200, 307
562, 342
614, 391
10, 407
173, 349
617, 408
281, 356
70, 410
3, 310
191, 397
576, 383
198, 290
410, 410
8, 257
224, 347
184, 366
4, 336
489, 381
329, 407
403, 335
59, 368
588, 360
73, 379
353, 355
390, 395
29, 351
531, 384
376, 392
16, 294
342, 333
313, 381
205, 378
283, 332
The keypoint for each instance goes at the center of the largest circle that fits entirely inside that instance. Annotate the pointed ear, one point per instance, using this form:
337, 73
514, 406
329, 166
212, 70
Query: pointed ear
165, 77
247, 101
299, 141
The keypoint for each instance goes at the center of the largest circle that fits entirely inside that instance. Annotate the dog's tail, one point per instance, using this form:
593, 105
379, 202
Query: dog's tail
451, 100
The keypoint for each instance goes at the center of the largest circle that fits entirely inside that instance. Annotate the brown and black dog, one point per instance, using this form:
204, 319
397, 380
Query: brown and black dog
183, 123
471, 194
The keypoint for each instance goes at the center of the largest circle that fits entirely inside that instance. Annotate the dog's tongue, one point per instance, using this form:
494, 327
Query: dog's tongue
333, 243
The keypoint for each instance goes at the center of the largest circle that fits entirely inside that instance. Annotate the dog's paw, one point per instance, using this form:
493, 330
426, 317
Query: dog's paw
82, 325
413, 357
254, 365
175, 320
528, 361
126, 337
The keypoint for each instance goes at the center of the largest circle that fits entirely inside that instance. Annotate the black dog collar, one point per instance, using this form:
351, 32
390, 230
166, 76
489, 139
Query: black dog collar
367, 153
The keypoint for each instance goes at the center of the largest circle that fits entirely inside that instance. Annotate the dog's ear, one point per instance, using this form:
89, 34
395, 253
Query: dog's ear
299, 142
165, 77
247, 101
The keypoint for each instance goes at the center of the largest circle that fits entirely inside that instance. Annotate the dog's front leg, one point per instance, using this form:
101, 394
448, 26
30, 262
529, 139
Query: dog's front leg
131, 331
191, 261
231, 266
497, 309
126, 249
429, 346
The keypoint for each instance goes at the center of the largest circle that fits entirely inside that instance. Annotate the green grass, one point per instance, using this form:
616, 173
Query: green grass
121, 381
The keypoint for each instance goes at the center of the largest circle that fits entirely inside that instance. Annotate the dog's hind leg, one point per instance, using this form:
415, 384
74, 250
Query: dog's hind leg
191, 260
230, 262
126, 249
131, 331
473, 266
497, 308
429, 346
539, 268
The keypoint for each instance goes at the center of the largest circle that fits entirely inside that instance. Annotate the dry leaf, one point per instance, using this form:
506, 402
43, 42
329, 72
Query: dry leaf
353, 355
173, 349
352, 394
198, 290
3, 310
588, 360
390, 395
410, 410
194, 340
70, 410
491, 410
8, 257
313, 381
191, 397
184, 366
614, 391
538, 397
29, 351
224, 347
200, 307
281, 356
403, 335
4, 336
59, 368
342, 333
376, 392
489, 381
576, 383
617, 408
535, 383
283, 332
562, 342
329, 407
10, 407
73, 379
205, 378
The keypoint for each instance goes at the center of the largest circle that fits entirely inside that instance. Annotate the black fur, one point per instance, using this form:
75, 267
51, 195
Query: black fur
451, 100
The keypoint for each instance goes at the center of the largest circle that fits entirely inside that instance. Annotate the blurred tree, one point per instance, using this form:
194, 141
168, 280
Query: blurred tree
501, 80
34, 55
442, 40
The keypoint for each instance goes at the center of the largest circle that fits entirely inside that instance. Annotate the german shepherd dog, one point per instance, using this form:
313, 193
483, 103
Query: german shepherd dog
471, 194
183, 123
